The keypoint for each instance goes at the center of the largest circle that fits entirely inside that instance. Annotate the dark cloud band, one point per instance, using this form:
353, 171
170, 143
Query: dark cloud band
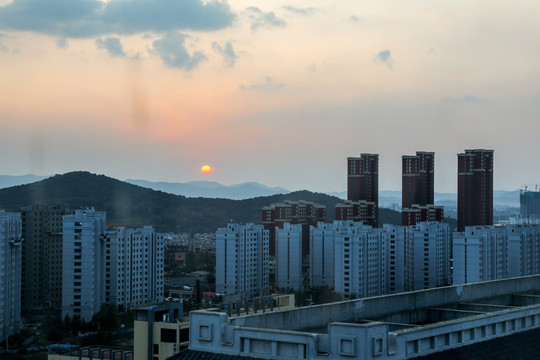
90, 18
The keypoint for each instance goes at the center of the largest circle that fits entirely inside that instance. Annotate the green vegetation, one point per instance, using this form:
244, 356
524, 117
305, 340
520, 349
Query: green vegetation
103, 323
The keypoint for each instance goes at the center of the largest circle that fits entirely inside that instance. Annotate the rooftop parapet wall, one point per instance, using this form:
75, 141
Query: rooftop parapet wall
376, 307
372, 340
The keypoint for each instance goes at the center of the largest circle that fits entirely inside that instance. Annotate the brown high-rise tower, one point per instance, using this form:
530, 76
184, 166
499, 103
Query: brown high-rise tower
417, 189
418, 179
363, 180
475, 188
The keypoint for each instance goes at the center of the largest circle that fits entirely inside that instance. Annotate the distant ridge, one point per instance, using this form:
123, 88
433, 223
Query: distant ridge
132, 205
15, 180
210, 189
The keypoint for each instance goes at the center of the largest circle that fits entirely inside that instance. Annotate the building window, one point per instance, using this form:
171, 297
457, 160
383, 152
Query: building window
156, 349
168, 335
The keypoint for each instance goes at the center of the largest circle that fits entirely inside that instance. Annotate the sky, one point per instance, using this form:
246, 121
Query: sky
278, 92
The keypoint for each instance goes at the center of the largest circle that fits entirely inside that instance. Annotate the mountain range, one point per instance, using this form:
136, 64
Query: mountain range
132, 205
210, 189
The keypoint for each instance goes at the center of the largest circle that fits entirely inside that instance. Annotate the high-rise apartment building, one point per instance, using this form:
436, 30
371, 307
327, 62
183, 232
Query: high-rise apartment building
300, 212
483, 253
395, 238
367, 261
134, 267
84, 257
242, 260
418, 179
321, 262
529, 202
42, 256
363, 179
427, 256
10, 273
359, 260
418, 189
289, 257
122, 266
475, 188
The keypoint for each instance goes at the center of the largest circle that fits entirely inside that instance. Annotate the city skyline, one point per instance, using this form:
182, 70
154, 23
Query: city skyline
259, 90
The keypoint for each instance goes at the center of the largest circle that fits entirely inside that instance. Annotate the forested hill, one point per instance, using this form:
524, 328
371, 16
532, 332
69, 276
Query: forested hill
132, 205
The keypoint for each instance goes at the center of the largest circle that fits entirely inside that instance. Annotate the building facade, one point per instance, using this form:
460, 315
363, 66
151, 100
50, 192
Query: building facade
42, 256
359, 260
475, 188
301, 212
357, 211
484, 253
418, 179
427, 256
84, 262
135, 267
10, 273
242, 260
418, 189
289, 257
363, 180
529, 202
421, 213
395, 238
321, 262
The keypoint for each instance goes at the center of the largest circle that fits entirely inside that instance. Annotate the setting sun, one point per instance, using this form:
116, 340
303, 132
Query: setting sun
206, 169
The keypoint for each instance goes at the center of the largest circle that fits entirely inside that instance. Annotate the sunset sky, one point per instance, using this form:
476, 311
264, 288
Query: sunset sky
278, 92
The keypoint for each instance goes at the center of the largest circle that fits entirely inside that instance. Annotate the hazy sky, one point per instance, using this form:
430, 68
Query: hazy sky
279, 92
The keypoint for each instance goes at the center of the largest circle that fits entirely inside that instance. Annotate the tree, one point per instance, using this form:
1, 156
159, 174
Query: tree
107, 318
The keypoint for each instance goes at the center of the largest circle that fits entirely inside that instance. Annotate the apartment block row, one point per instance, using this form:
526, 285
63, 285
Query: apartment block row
123, 266
355, 259
54, 257
358, 260
483, 253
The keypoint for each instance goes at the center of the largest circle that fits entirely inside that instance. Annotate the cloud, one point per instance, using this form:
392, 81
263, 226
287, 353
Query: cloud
300, 11
385, 57
172, 50
228, 53
261, 19
468, 99
267, 85
89, 18
354, 18
62, 43
112, 45
5, 48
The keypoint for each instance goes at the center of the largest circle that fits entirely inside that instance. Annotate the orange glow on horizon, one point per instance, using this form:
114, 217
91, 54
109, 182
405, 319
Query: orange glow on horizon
206, 169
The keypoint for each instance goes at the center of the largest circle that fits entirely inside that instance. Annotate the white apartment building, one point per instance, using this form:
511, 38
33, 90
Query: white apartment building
136, 267
10, 273
483, 253
394, 237
289, 257
427, 255
366, 261
359, 260
242, 260
321, 262
85, 258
